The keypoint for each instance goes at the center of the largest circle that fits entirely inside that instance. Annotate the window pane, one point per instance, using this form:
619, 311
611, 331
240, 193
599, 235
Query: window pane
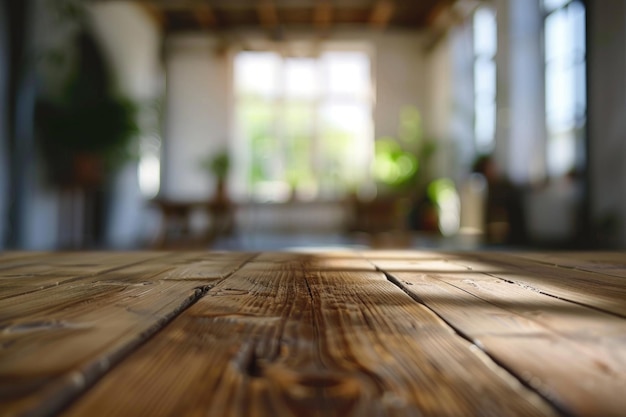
559, 45
256, 73
347, 73
304, 124
485, 44
256, 121
485, 78
485, 37
301, 77
484, 127
577, 16
560, 104
297, 135
565, 84
344, 140
581, 92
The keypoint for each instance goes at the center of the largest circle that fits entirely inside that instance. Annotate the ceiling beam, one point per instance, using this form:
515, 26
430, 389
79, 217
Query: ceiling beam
438, 14
322, 18
268, 16
154, 13
382, 12
444, 16
204, 15
322, 14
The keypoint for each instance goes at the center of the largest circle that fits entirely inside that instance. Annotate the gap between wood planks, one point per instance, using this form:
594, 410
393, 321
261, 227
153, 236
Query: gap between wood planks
200, 292
52, 280
486, 355
558, 297
223, 341
70, 385
549, 272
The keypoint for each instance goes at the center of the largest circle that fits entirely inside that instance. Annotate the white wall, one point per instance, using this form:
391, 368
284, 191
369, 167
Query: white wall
198, 113
199, 102
199, 98
400, 75
439, 89
449, 112
523, 83
132, 43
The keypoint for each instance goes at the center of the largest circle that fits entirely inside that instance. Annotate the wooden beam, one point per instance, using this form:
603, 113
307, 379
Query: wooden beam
323, 14
322, 18
445, 13
154, 13
204, 15
381, 13
268, 16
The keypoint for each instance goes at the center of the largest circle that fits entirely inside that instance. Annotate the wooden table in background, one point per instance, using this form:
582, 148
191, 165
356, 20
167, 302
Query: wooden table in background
176, 218
369, 333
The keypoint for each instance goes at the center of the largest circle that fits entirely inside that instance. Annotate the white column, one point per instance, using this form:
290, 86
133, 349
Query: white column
520, 129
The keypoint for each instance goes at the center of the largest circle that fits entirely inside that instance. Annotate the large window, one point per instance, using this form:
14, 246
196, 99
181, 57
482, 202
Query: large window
485, 45
565, 85
303, 124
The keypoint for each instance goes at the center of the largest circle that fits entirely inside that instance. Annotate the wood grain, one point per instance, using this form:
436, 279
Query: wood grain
56, 341
542, 339
608, 263
603, 292
9, 257
292, 339
48, 271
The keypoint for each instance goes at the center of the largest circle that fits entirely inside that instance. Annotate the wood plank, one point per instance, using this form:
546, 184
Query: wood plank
608, 263
9, 260
291, 340
603, 292
57, 341
403, 254
11, 256
335, 261
217, 265
65, 268
424, 266
51, 263
544, 340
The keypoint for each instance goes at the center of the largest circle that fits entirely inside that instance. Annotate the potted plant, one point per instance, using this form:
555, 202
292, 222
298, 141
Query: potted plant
401, 168
219, 167
401, 163
85, 131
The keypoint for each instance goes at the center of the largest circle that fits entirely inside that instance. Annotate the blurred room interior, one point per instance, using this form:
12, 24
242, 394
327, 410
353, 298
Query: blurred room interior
274, 124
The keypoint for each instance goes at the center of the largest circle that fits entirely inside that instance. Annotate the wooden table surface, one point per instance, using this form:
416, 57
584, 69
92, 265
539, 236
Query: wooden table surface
368, 333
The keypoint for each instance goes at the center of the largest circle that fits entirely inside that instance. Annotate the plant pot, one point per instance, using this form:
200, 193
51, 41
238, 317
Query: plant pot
76, 169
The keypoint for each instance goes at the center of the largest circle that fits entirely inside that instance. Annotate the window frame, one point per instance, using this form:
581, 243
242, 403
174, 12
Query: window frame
577, 62
244, 188
478, 57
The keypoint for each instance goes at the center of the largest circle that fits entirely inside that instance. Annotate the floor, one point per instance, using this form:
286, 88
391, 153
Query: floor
295, 241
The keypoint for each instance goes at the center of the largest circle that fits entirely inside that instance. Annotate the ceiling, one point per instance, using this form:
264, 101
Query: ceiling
275, 16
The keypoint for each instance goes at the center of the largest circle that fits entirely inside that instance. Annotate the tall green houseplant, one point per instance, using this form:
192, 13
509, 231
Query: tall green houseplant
86, 131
